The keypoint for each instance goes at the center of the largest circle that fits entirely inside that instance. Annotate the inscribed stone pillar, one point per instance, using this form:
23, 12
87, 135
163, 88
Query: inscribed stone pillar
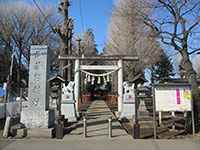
34, 112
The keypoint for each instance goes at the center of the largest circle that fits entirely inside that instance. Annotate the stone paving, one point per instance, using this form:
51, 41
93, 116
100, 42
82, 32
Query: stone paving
99, 144
98, 139
97, 124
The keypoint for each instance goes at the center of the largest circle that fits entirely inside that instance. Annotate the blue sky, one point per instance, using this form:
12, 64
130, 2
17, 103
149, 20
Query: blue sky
96, 15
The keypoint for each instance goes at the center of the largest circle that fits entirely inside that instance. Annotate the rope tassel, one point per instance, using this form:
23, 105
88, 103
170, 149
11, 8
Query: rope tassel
93, 79
108, 78
85, 81
99, 80
89, 78
104, 80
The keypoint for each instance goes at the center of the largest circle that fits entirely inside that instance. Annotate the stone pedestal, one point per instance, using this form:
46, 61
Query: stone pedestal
35, 113
128, 110
38, 119
40, 133
68, 110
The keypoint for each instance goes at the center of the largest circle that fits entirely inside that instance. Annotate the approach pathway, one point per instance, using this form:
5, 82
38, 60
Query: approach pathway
98, 113
97, 123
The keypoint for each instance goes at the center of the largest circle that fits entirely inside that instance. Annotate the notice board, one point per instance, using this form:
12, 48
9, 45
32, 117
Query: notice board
173, 98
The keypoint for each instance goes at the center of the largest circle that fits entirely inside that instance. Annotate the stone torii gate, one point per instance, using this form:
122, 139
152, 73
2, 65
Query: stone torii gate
118, 67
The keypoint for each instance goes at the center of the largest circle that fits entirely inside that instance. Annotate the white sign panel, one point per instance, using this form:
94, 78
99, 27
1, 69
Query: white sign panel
173, 98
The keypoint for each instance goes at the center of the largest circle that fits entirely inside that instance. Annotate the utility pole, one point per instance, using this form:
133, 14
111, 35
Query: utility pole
65, 33
79, 46
70, 34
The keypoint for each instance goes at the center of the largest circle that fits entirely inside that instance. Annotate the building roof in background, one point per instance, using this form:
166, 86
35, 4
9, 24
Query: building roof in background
56, 78
176, 82
139, 79
179, 80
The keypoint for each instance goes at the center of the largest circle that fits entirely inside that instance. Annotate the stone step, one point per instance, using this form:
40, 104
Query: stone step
171, 134
145, 113
148, 132
145, 118
177, 125
40, 133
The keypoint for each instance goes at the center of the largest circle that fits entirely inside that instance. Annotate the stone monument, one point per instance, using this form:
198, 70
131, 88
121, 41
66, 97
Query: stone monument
128, 106
35, 113
68, 107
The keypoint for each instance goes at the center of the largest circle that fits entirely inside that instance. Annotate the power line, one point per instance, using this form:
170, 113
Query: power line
38, 7
81, 15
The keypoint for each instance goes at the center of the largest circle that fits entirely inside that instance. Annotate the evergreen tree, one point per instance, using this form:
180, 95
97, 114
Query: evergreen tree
88, 49
162, 70
88, 44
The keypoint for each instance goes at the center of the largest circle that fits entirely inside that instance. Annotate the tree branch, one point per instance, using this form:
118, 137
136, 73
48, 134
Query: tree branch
194, 25
194, 51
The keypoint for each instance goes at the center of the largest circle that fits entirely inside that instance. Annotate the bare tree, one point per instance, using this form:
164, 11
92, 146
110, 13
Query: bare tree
177, 26
65, 32
20, 27
197, 65
128, 35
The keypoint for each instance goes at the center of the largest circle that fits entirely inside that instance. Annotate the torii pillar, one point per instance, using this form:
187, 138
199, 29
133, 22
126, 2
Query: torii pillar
77, 84
120, 86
